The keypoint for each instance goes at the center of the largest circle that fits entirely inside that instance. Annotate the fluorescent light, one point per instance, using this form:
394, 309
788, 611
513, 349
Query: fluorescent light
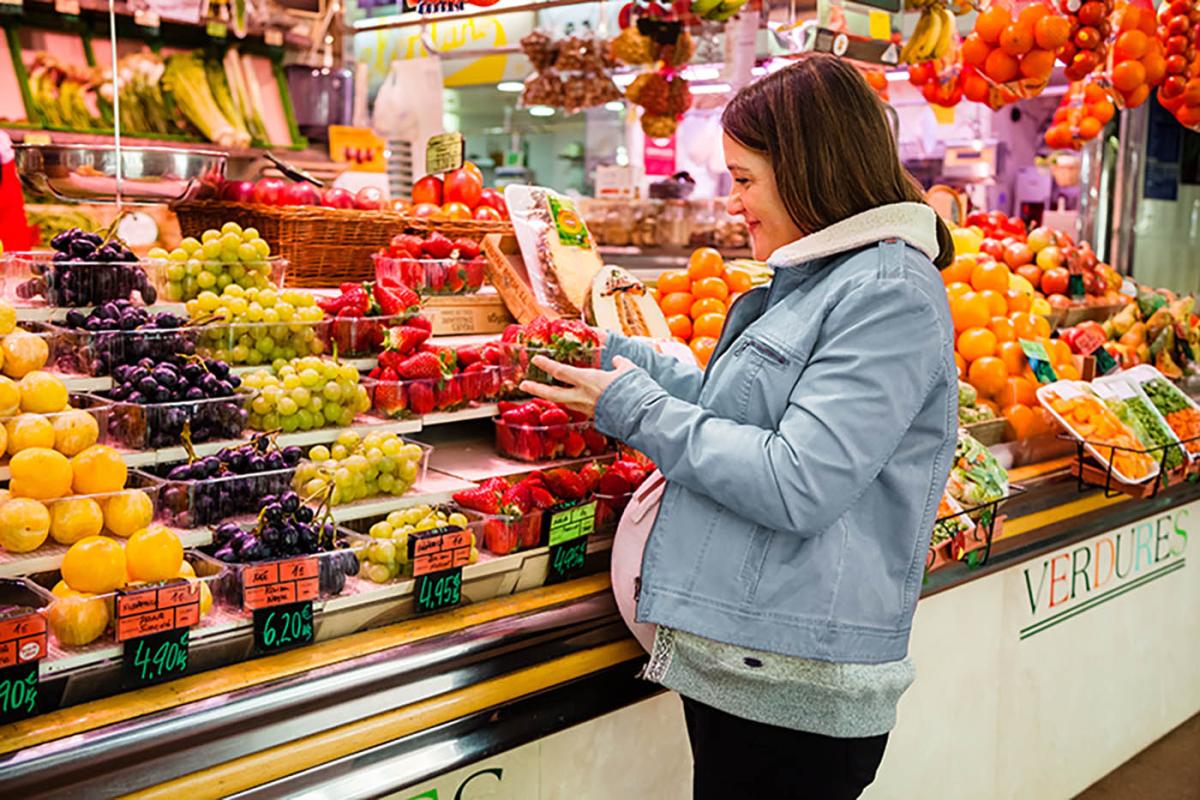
624, 79
614, 105
699, 73
710, 88
897, 77
510, 86
541, 111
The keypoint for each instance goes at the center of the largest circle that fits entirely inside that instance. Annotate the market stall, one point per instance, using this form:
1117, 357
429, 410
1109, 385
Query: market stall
277, 520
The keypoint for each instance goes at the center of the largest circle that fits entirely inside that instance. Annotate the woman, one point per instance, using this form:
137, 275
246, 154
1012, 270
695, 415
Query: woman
804, 466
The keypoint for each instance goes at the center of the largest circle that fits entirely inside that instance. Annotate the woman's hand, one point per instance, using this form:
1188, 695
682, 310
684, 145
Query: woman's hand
586, 384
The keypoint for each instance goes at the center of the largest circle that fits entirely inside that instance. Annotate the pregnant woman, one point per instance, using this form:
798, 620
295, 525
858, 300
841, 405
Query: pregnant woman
803, 468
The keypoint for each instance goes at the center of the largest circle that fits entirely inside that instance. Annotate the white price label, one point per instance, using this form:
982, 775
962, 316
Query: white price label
67, 7
1066, 390
146, 19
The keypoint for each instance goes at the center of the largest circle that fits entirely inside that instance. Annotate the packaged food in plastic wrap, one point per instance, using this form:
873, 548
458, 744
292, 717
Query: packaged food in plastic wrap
950, 522
1136, 60
1179, 32
1086, 46
559, 252
1012, 47
1081, 115
976, 477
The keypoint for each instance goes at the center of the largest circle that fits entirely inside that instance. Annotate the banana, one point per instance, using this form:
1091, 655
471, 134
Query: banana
929, 28
702, 8
912, 48
946, 36
726, 10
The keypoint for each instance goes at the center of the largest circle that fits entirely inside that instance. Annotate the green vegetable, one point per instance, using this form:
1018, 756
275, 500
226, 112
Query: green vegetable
1135, 413
219, 87
1166, 398
976, 477
967, 396
187, 82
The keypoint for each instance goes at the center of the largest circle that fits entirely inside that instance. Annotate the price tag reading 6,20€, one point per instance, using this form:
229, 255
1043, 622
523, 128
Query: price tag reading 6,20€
568, 527
283, 627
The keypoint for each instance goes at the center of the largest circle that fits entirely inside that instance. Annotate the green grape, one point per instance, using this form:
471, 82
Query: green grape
286, 407
232, 227
319, 453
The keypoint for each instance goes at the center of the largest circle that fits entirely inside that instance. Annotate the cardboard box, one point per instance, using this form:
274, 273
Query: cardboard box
469, 313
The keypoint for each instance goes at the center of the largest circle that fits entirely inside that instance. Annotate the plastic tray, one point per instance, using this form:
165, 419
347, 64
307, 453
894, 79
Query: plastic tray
1143, 374
516, 364
180, 281
259, 343
33, 278
358, 337
446, 276
153, 425
39, 331
1101, 451
194, 503
228, 587
501, 534
422, 470
537, 443
82, 352
395, 399
97, 408
400, 554
1122, 388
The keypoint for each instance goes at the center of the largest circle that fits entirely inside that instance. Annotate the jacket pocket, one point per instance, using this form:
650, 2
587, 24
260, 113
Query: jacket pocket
755, 560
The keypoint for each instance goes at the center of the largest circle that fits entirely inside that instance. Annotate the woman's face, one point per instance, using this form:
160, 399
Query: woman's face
755, 198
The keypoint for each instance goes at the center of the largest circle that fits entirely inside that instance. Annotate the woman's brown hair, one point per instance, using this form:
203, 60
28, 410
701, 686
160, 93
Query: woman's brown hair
829, 142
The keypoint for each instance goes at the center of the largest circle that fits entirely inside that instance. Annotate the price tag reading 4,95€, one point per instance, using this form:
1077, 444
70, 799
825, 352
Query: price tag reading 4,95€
438, 557
569, 528
153, 623
283, 627
22, 645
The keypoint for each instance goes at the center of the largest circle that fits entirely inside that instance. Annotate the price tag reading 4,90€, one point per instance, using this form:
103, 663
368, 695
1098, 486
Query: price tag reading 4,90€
153, 623
438, 557
22, 645
568, 528
283, 627
155, 658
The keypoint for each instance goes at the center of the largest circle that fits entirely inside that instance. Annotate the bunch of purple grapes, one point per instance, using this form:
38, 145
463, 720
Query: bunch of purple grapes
156, 400
117, 333
88, 271
286, 528
232, 482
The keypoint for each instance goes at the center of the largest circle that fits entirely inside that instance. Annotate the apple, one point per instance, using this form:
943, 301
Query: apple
495, 199
1040, 238
337, 197
1055, 281
977, 219
428, 211
1050, 257
427, 190
1032, 274
487, 214
269, 191
993, 248
461, 186
456, 211
1018, 254
369, 198
238, 191
301, 193
474, 169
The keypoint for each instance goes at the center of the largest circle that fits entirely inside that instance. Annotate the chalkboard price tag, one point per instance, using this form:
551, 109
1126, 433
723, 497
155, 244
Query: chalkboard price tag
437, 590
1075, 286
568, 526
155, 658
283, 627
445, 152
19, 692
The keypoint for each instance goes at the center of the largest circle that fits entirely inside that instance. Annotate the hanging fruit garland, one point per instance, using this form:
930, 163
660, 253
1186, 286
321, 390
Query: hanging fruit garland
663, 46
1179, 31
572, 73
1013, 54
1081, 115
1135, 62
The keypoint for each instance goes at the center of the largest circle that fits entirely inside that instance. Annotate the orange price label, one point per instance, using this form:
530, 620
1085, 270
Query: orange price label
280, 582
22, 639
146, 611
439, 549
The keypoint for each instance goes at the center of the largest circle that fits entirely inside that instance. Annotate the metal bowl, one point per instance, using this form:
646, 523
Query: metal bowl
85, 173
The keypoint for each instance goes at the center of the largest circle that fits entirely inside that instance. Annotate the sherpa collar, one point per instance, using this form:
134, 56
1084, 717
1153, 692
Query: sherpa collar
914, 223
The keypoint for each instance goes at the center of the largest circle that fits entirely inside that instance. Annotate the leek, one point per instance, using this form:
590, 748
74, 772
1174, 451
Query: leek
185, 79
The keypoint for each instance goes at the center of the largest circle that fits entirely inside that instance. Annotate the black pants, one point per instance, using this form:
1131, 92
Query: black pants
735, 757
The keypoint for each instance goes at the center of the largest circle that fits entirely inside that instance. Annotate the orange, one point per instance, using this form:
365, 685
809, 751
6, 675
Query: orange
705, 263
675, 280
1025, 325
153, 554
710, 287
969, 311
1018, 390
1066, 372
1016, 40
680, 326
1060, 352
975, 51
737, 280
1022, 419
1031, 15
957, 290
702, 348
961, 363
1017, 301
988, 375
1046, 423
1052, 32
676, 303
1089, 128
1013, 357
990, 275
1103, 110
1004, 330
1001, 67
94, 564
706, 305
40, 473
976, 343
709, 325
1043, 326
989, 404
997, 305
991, 23
959, 270
1038, 64
1131, 45
1128, 75
97, 470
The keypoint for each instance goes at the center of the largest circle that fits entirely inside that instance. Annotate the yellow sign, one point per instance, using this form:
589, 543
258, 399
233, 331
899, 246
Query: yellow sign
361, 148
444, 152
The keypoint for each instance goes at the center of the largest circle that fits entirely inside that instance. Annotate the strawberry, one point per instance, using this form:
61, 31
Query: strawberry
421, 365
390, 396
529, 531
613, 483
405, 244
420, 397
518, 497
554, 416
529, 445
374, 373
456, 279
590, 475
574, 446
500, 537
406, 338
475, 270
392, 359
420, 322
538, 331
437, 246
596, 441
479, 498
507, 405
630, 470
506, 439
467, 248
522, 416
496, 484
512, 333
541, 498
566, 484
490, 353
468, 354
449, 394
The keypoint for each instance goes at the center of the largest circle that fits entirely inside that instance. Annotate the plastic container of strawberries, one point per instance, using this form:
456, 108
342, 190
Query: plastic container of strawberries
359, 337
537, 442
408, 398
432, 276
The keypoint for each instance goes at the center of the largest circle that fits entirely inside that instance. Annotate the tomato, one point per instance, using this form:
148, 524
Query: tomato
495, 199
474, 170
456, 211
1055, 280
268, 192
301, 193
1032, 274
487, 214
427, 190
462, 186
428, 211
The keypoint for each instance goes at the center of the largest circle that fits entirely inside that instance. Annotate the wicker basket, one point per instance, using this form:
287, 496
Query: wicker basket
323, 246
470, 228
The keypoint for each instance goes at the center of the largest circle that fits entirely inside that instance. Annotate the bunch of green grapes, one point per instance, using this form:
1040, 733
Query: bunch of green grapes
305, 393
220, 259
260, 326
387, 555
359, 467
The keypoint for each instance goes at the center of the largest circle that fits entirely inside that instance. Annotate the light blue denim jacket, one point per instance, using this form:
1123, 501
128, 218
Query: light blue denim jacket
804, 467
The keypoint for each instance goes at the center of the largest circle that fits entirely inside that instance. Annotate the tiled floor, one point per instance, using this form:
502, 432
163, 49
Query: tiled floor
1169, 769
